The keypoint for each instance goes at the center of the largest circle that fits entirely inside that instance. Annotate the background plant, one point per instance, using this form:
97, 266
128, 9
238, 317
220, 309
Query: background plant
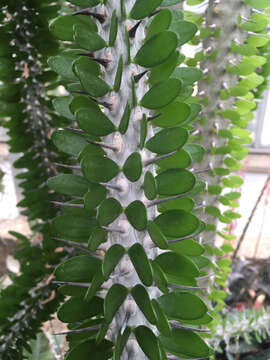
129, 167
28, 116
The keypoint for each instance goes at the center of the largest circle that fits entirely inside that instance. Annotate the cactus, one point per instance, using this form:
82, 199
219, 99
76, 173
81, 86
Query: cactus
134, 109
27, 114
245, 326
126, 168
234, 61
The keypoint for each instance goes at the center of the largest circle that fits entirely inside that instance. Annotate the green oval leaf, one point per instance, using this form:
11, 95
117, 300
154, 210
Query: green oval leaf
121, 343
89, 348
95, 86
185, 342
98, 168
77, 269
61, 106
62, 65
125, 119
167, 140
112, 258
137, 215
141, 264
156, 235
69, 184
173, 114
97, 237
188, 75
88, 40
141, 8
149, 186
118, 75
140, 295
68, 142
175, 182
62, 26
113, 300
133, 167
185, 30
113, 28
148, 342
187, 247
76, 309
108, 211
74, 228
86, 64
258, 4
164, 70
163, 324
177, 223
179, 269
161, 94
192, 307
160, 22
96, 194
160, 278
180, 160
94, 122
156, 50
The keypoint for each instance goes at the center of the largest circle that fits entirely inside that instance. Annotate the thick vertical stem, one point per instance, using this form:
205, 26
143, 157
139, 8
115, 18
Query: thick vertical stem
224, 16
128, 144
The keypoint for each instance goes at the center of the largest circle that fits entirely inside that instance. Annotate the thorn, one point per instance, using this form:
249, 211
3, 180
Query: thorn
206, 72
175, 325
117, 230
154, 13
202, 93
201, 171
257, 11
220, 106
224, 85
154, 117
88, 54
138, 77
105, 104
125, 322
67, 204
248, 20
87, 11
71, 283
199, 207
81, 92
159, 158
75, 130
170, 242
164, 200
75, 167
79, 247
103, 62
69, 242
113, 187
212, 26
196, 132
132, 31
173, 286
208, 50
78, 331
205, 276
113, 148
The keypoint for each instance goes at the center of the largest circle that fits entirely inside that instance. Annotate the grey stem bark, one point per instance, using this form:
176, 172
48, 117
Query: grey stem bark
128, 143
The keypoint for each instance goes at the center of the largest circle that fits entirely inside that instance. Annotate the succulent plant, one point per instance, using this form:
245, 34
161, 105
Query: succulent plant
132, 109
123, 143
